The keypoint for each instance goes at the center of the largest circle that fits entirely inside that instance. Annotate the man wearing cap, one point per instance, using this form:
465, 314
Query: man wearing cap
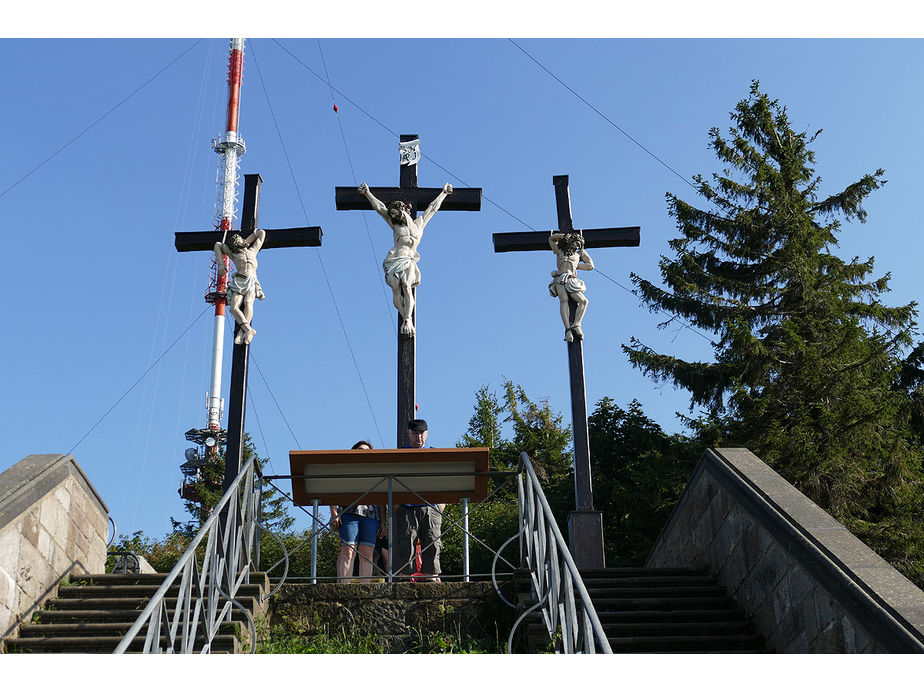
415, 521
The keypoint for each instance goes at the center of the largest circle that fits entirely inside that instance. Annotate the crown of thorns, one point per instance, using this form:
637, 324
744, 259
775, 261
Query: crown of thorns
571, 243
398, 204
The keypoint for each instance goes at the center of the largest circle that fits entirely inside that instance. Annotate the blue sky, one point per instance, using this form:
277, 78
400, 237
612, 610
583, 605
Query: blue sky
96, 292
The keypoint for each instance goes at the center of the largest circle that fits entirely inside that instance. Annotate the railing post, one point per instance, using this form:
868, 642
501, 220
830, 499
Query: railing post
314, 542
259, 522
391, 544
521, 497
465, 570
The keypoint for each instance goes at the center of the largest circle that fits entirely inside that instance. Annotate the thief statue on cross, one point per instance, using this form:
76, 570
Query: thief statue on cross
565, 285
244, 286
400, 265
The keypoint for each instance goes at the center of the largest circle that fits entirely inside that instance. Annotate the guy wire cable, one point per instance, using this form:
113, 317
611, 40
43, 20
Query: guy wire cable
319, 256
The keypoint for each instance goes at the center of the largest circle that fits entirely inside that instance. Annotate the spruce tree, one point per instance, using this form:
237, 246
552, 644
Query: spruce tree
807, 355
536, 430
639, 474
274, 514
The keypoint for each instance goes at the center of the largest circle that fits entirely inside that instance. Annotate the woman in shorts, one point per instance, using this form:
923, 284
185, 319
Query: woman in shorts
358, 526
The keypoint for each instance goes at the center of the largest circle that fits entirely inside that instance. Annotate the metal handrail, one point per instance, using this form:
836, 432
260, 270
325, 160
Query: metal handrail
228, 535
573, 628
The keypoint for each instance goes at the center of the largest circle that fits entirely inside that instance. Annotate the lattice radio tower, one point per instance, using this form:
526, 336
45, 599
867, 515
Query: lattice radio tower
230, 147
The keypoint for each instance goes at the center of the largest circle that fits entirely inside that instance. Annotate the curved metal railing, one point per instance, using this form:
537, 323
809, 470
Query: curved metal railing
556, 584
207, 594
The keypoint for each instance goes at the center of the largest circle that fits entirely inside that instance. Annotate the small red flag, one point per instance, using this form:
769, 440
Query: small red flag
336, 110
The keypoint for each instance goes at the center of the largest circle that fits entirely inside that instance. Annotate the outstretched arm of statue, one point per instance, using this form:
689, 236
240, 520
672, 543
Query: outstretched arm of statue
586, 263
256, 239
435, 205
220, 251
553, 240
376, 203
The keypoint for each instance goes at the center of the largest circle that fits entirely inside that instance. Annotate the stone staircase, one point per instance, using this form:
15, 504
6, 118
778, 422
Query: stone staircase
642, 610
92, 612
660, 610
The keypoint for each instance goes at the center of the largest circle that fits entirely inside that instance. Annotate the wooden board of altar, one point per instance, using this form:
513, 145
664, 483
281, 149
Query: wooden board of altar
339, 477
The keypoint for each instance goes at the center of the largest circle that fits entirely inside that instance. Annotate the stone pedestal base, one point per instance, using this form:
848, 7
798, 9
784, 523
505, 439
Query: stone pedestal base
585, 538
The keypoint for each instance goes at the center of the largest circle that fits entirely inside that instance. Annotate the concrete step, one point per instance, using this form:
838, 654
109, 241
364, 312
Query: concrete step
105, 644
120, 578
700, 644
90, 615
144, 591
679, 628
74, 629
661, 633
648, 581
643, 591
672, 616
677, 603
256, 578
623, 572
128, 603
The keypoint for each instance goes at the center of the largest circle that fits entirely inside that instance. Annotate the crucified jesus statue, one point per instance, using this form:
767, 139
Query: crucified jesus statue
565, 285
243, 287
400, 265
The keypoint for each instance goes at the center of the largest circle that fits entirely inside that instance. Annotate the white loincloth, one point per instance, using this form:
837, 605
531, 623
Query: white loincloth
245, 285
397, 266
569, 280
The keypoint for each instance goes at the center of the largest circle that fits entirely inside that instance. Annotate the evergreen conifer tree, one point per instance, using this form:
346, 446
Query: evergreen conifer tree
807, 355
207, 491
639, 474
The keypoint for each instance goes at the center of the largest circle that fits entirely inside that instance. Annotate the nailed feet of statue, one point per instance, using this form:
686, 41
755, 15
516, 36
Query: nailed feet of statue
573, 333
407, 328
245, 335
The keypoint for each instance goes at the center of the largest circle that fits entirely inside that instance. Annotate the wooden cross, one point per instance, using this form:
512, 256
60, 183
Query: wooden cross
585, 525
462, 199
187, 241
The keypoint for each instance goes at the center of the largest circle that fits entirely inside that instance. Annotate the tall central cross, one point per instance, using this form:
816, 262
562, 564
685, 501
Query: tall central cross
585, 525
187, 241
461, 199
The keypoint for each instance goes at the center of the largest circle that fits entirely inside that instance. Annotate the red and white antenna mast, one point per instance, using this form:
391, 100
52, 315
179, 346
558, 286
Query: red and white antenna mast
230, 148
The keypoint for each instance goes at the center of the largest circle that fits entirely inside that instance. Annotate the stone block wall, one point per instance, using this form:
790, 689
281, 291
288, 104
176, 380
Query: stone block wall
395, 613
809, 585
52, 522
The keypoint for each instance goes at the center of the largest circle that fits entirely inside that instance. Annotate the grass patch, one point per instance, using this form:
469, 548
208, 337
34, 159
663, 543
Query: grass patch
323, 642
421, 642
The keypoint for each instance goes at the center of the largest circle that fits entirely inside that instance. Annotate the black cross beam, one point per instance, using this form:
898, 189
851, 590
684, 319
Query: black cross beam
585, 525
187, 241
462, 199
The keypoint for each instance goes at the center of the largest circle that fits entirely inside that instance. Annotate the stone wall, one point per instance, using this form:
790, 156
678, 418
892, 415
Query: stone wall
809, 585
52, 522
396, 613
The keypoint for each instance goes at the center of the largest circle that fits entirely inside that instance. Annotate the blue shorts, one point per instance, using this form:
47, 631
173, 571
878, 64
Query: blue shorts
353, 527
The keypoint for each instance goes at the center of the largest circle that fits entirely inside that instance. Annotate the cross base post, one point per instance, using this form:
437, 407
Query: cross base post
583, 488
234, 448
407, 385
234, 440
585, 538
